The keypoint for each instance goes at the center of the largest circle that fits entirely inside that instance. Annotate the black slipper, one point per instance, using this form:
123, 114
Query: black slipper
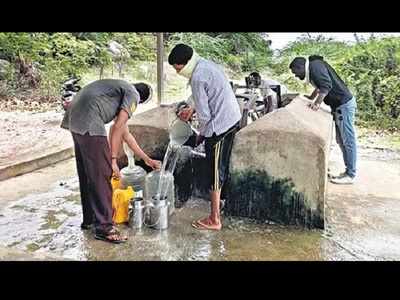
105, 236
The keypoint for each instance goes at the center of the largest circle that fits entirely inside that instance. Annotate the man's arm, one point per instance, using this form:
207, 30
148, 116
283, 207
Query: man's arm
116, 133
313, 94
131, 141
323, 82
317, 103
202, 109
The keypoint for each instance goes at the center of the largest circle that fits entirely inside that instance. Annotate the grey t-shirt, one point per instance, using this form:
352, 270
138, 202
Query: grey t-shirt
99, 103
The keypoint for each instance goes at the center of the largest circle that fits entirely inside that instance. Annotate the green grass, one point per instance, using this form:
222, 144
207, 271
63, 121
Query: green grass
32, 247
51, 221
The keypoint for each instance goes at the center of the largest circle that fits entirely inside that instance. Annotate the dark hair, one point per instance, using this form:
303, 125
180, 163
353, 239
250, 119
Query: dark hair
255, 75
144, 91
297, 62
181, 105
180, 55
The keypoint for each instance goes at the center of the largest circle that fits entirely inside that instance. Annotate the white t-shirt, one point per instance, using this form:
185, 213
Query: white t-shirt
266, 91
270, 82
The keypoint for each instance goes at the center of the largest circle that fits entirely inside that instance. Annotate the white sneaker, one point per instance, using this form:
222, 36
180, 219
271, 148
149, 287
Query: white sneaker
343, 180
341, 175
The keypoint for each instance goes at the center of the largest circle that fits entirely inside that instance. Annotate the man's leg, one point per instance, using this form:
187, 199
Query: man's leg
215, 215
339, 141
226, 157
213, 221
220, 157
348, 135
83, 185
97, 161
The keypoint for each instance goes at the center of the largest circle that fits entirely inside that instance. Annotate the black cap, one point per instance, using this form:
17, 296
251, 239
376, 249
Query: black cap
180, 55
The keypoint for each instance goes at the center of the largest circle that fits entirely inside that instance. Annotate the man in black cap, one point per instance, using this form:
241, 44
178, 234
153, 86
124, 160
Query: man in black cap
218, 113
97, 104
331, 89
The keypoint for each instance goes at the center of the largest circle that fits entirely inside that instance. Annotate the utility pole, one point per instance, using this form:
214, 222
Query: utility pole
160, 67
356, 37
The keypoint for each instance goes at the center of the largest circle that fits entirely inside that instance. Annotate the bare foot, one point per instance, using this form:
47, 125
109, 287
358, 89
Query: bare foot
207, 224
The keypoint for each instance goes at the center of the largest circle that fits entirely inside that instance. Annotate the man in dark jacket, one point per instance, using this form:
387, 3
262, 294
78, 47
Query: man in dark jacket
97, 104
331, 89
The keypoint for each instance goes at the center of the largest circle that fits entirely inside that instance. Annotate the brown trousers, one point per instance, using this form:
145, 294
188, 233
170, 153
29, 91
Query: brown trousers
93, 161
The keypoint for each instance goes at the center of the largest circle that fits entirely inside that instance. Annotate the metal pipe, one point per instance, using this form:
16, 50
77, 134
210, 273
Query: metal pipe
160, 67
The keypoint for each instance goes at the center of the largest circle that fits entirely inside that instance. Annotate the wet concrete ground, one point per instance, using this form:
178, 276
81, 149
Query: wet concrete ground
40, 213
49, 222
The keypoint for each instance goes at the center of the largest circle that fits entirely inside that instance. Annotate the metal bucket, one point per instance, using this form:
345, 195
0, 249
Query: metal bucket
180, 132
137, 213
159, 217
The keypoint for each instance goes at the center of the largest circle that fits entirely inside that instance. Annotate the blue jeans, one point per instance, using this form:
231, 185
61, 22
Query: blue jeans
346, 134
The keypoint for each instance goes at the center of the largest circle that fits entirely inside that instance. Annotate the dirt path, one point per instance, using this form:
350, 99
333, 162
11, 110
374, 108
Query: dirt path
26, 134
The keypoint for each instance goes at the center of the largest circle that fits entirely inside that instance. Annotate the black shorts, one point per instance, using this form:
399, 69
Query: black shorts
218, 154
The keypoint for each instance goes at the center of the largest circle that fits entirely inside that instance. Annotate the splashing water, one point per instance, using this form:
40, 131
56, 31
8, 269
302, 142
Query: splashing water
170, 159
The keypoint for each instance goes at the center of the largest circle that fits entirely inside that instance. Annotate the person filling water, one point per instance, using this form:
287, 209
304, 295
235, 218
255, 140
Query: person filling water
218, 114
97, 104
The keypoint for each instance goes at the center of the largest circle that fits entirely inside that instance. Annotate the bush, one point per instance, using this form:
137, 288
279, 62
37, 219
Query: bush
60, 55
304, 46
238, 51
370, 68
54, 55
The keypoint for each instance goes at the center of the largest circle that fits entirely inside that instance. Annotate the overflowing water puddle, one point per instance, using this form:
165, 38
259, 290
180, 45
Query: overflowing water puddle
50, 223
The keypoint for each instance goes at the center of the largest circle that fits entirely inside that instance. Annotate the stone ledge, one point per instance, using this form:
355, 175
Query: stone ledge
35, 163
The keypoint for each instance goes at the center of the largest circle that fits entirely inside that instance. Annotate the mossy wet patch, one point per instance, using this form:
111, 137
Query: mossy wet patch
13, 244
257, 195
19, 207
32, 247
66, 212
45, 240
51, 221
24, 208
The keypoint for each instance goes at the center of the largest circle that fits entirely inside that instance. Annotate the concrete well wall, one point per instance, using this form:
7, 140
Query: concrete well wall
279, 166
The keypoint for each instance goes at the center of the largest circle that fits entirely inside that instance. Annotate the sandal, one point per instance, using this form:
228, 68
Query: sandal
113, 236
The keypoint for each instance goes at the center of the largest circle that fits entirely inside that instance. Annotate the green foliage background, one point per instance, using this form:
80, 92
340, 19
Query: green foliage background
370, 67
